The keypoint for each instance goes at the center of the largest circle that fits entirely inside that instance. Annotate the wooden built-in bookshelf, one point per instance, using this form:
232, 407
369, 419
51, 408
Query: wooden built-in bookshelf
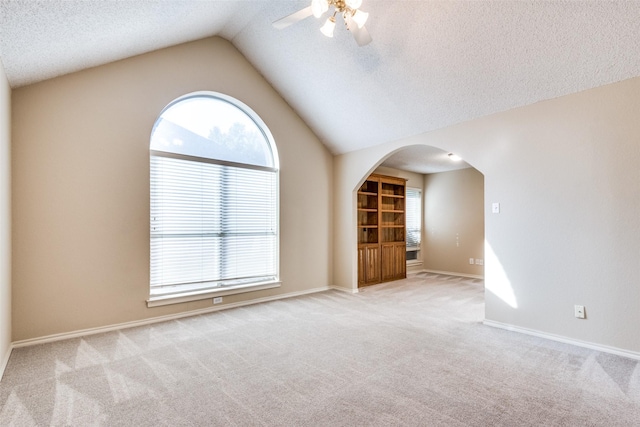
381, 230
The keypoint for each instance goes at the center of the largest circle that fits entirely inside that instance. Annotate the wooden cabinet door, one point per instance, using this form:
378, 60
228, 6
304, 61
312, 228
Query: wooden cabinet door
393, 260
400, 260
372, 264
368, 265
387, 261
362, 279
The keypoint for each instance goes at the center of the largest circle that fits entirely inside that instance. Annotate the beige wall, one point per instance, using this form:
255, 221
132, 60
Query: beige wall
453, 230
5, 219
565, 172
81, 187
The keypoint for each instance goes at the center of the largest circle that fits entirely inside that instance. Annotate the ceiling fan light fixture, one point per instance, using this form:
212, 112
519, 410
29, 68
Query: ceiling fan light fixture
454, 157
360, 18
318, 7
354, 18
329, 26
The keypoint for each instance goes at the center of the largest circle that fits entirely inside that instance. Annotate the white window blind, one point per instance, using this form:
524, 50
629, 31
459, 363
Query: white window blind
214, 197
211, 225
413, 218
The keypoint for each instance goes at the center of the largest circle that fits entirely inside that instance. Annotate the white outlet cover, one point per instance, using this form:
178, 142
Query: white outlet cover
495, 207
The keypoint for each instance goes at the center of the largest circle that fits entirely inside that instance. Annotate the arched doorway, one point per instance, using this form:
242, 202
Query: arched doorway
445, 232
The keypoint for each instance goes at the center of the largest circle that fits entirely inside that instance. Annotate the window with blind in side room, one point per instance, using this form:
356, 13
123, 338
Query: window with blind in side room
414, 222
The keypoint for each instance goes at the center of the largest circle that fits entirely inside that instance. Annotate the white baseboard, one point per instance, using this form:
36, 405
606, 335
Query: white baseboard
598, 347
451, 273
4, 361
158, 319
347, 290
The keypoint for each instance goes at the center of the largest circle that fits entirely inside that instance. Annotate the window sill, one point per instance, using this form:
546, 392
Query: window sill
160, 300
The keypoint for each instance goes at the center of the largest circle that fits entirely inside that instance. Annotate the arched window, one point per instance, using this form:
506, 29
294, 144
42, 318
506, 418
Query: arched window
214, 198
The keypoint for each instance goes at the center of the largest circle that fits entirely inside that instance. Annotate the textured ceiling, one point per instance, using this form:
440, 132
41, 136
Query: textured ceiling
431, 63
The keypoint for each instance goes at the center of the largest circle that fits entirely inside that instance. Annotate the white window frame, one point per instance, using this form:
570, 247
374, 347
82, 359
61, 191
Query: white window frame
170, 294
418, 260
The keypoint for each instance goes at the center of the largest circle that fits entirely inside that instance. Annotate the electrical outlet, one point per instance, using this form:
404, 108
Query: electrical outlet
579, 311
217, 300
479, 261
470, 260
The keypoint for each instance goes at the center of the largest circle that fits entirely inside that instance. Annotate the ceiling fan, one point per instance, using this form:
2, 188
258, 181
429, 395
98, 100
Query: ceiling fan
353, 17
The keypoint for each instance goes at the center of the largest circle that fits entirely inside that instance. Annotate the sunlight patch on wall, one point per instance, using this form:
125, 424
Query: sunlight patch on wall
496, 280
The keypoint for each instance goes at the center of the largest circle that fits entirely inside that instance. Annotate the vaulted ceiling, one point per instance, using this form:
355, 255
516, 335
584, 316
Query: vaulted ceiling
431, 63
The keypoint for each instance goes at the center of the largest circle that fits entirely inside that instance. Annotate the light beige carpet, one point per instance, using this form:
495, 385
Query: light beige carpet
407, 353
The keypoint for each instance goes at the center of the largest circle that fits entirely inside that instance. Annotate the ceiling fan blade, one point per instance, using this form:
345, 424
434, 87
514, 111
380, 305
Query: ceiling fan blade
293, 18
360, 34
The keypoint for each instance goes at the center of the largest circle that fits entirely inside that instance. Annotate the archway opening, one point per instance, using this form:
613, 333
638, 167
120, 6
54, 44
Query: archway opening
443, 214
